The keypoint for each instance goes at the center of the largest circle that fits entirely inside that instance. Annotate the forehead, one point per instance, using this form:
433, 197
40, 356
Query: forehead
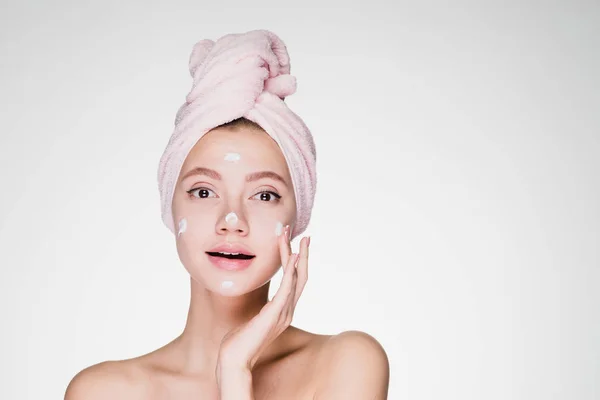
257, 150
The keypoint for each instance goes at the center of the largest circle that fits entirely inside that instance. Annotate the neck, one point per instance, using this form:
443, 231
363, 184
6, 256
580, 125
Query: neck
210, 317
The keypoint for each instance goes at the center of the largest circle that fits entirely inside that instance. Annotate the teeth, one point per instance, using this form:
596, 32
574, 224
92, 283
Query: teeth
230, 254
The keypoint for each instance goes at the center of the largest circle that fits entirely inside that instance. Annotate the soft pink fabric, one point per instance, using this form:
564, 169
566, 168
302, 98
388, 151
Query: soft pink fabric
242, 75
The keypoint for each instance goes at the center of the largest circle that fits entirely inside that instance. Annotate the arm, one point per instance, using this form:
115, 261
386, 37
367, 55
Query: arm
353, 365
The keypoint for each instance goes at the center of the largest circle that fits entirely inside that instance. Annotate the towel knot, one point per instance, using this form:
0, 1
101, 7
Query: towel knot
239, 68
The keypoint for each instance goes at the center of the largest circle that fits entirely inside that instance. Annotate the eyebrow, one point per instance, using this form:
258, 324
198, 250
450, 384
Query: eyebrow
254, 176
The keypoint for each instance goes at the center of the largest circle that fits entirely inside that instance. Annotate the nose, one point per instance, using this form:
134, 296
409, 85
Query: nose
233, 221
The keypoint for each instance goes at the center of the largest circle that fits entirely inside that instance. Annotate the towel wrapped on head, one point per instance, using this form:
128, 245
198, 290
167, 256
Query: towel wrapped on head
242, 75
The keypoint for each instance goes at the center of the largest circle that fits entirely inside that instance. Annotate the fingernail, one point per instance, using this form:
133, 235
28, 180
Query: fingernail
308, 241
287, 232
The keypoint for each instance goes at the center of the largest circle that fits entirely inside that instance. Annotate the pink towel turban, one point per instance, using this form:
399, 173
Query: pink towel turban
242, 75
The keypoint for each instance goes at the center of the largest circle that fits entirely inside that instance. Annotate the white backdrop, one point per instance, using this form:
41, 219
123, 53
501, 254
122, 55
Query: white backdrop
457, 210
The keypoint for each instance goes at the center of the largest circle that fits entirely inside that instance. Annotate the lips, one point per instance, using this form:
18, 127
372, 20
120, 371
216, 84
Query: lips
231, 257
231, 250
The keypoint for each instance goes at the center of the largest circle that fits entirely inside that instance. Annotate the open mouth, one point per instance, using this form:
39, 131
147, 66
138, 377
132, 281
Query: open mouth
231, 256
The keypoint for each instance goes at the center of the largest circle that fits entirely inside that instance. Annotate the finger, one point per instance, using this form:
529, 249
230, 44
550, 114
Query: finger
290, 306
280, 297
288, 294
291, 300
302, 268
285, 248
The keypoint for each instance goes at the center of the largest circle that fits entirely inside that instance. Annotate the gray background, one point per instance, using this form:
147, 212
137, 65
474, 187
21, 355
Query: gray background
457, 213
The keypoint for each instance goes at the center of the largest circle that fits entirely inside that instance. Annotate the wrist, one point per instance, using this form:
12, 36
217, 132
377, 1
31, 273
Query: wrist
226, 371
234, 383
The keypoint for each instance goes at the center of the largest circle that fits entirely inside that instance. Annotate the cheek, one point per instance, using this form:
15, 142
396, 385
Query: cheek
270, 221
191, 225
182, 226
278, 228
192, 231
266, 233
268, 225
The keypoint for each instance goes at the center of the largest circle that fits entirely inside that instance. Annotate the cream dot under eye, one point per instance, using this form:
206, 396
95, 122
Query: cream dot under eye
182, 226
278, 229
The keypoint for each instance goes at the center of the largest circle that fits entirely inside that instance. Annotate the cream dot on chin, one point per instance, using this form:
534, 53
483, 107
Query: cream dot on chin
182, 226
231, 218
226, 285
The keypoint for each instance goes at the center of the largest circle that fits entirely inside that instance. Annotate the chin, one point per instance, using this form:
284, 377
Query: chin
231, 283
228, 287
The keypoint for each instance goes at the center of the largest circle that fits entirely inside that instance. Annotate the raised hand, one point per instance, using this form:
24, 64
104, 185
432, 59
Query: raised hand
241, 347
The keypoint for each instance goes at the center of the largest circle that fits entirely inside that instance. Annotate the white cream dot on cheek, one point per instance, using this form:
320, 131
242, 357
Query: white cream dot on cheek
278, 229
182, 226
231, 218
226, 284
233, 157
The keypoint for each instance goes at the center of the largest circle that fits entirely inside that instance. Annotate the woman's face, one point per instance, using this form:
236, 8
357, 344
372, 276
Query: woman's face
228, 194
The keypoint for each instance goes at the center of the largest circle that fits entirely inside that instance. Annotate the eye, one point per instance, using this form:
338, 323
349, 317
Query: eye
203, 192
268, 196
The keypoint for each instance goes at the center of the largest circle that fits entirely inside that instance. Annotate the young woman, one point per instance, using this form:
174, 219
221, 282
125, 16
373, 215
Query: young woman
237, 184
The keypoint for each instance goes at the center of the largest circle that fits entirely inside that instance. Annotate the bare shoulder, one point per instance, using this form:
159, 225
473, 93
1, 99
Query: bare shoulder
353, 364
107, 380
355, 344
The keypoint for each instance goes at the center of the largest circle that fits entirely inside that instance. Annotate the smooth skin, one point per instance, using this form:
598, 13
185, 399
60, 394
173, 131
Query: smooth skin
243, 347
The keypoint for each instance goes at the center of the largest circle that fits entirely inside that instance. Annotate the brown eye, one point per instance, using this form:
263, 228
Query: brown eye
203, 193
268, 196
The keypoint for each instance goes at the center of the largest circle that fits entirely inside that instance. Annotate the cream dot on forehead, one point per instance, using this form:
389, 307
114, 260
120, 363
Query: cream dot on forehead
231, 218
233, 157
182, 226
